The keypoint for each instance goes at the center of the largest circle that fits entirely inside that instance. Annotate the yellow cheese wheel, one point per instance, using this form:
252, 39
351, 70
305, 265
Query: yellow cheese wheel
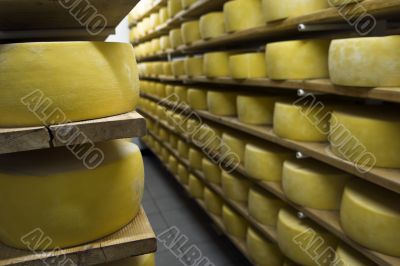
256, 109
112, 188
167, 69
197, 99
264, 161
211, 171
236, 143
175, 38
183, 174
348, 256
169, 90
173, 164
261, 251
221, 103
164, 155
311, 122
277, 10
144, 260
187, 3
212, 25
196, 187
298, 239
365, 62
370, 215
246, 66
264, 207
304, 59
234, 224
212, 202
173, 141
321, 185
163, 134
195, 159
194, 66
174, 6
165, 43
178, 67
234, 187
154, 20
181, 93
183, 149
163, 15
190, 32
368, 137
242, 14
107, 72
216, 64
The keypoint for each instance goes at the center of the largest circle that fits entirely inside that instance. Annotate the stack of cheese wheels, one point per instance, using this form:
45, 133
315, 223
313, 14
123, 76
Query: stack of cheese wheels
144, 260
194, 66
264, 207
183, 174
321, 185
175, 38
167, 69
264, 161
216, 64
246, 66
212, 202
196, 187
256, 109
178, 67
242, 14
236, 143
212, 25
277, 10
310, 121
261, 251
348, 256
211, 171
165, 43
197, 99
286, 60
296, 238
187, 3
221, 103
181, 93
362, 199
367, 136
110, 79
234, 224
173, 164
163, 15
365, 62
116, 184
234, 187
174, 6
183, 149
195, 159
190, 32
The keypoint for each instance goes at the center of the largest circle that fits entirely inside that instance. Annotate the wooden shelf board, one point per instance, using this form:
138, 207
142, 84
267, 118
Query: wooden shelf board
137, 238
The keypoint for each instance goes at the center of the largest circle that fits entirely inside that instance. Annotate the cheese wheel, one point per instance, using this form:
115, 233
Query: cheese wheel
368, 137
183, 174
144, 260
286, 60
247, 66
264, 207
348, 256
158, 69
195, 159
261, 251
178, 67
234, 187
164, 155
380, 206
242, 14
196, 187
187, 3
181, 93
236, 143
174, 6
310, 121
112, 188
163, 15
154, 21
183, 149
190, 32
277, 10
169, 90
167, 69
173, 164
212, 202
212, 25
163, 134
256, 110
175, 38
365, 62
298, 239
165, 43
107, 71
265, 161
321, 185
221, 103
211, 171
197, 99
234, 224
194, 66
216, 64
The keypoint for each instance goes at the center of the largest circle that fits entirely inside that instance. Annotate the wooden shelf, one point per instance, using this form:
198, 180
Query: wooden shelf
137, 238
127, 125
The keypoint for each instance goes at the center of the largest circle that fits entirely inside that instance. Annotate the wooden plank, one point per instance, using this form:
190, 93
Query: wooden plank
22, 139
137, 238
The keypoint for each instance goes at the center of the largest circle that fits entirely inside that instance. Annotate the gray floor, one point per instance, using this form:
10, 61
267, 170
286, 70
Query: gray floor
167, 205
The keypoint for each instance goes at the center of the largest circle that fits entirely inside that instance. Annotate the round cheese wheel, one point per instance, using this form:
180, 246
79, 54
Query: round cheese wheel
55, 190
286, 59
247, 66
236, 143
194, 66
164, 155
221, 103
212, 25
163, 134
368, 137
154, 21
178, 67
265, 161
183, 149
277, 10
195, 159
107, 72
235, 188
165, 43
183, 174
196, 187
187, 3
348, 256
173, 141
212, 172
190, 32
163, 15
173, 164
261, 251
242, 14
212, 202
197, 99
216, 64
321, 185
234, 224
167, 69
264, 207
370, 215
144, 260
175, 38
256, 110
181, 93
365, 62
298, 239
169, 90
174, 6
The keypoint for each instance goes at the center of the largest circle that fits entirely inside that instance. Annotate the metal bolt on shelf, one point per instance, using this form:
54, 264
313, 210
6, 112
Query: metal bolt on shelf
301, 215
300, 155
